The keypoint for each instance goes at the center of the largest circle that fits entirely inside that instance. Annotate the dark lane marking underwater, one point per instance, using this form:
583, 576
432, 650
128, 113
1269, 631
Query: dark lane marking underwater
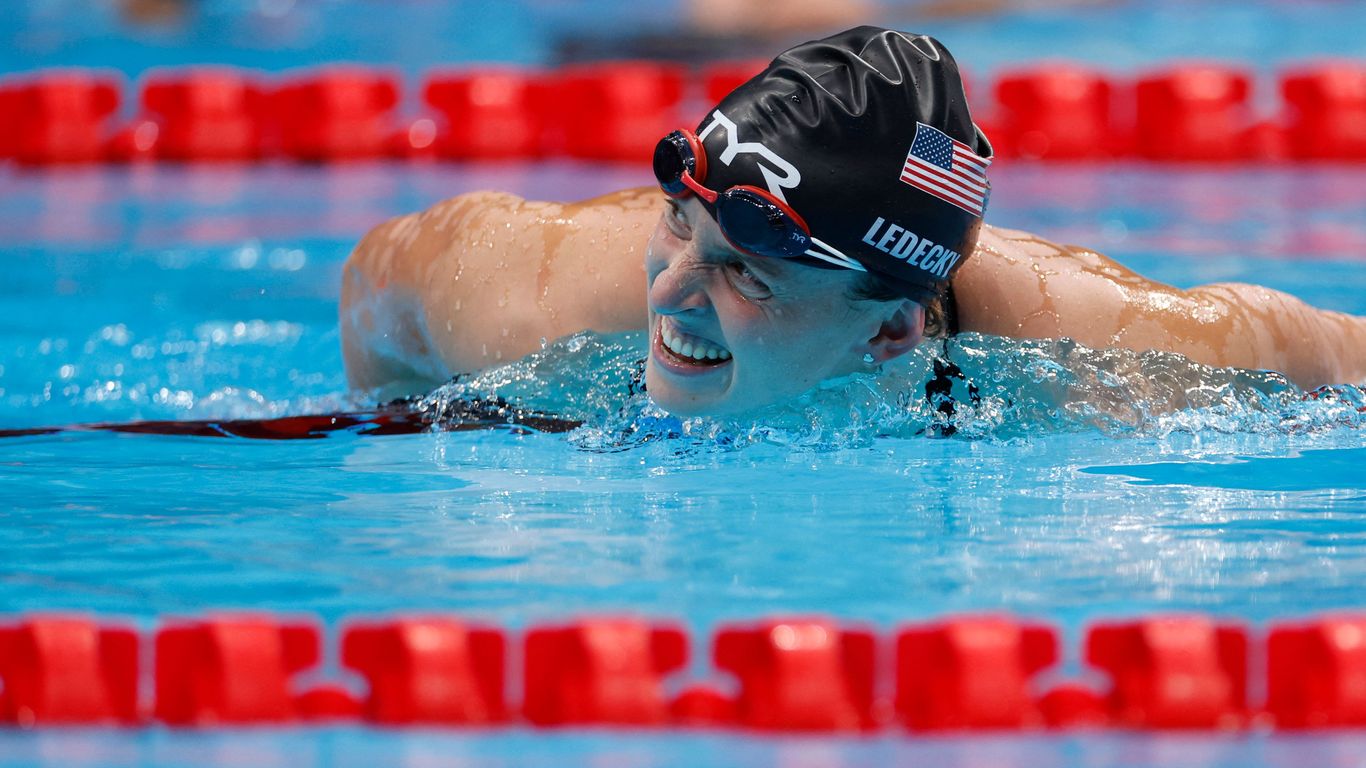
401, 417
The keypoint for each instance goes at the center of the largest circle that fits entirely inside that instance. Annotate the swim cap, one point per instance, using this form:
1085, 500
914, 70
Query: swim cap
867, 135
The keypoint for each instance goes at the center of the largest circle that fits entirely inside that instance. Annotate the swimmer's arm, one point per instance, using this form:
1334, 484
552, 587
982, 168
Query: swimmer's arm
385, 345
484, 277
1020, 285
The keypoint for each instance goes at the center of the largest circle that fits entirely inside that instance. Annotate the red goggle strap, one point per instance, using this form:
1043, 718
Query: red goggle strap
699, 156
699, 190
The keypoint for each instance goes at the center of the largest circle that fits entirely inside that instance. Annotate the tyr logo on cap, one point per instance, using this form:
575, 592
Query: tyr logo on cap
791, 176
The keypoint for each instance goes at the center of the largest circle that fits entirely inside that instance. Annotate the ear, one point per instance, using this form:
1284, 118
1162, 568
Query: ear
901, 330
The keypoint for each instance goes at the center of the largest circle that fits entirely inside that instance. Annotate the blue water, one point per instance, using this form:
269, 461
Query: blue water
195, 293
415, 749
414, 35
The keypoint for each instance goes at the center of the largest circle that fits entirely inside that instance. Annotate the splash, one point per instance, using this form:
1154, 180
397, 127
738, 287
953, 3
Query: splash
970, 386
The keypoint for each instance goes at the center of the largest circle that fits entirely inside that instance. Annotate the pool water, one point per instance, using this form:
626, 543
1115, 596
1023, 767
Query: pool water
183, 293
275, 35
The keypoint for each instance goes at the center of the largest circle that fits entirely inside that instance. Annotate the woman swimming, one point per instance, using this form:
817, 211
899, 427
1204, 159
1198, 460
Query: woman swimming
823, 219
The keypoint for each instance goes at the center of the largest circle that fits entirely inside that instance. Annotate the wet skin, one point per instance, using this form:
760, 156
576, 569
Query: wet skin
484, 277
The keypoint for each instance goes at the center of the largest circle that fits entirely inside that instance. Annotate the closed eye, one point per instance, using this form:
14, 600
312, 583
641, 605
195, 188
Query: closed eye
746, 281
677, 219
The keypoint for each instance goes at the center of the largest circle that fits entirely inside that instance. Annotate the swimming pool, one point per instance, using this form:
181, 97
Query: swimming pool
176, 293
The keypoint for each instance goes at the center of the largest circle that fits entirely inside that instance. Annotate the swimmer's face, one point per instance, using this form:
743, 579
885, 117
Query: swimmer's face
731, 332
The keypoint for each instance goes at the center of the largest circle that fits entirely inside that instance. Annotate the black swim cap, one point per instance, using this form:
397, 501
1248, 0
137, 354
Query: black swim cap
867, 135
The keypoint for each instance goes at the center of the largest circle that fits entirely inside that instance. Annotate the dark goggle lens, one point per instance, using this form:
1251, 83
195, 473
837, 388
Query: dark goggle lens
760, 227
673, 156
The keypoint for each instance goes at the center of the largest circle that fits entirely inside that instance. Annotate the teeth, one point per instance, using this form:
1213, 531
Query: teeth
689, 346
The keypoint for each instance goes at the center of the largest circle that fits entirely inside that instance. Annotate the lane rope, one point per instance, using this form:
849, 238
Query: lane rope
616, 111
972, 672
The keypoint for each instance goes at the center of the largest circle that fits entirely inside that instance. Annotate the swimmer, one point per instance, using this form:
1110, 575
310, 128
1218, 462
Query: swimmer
823, 219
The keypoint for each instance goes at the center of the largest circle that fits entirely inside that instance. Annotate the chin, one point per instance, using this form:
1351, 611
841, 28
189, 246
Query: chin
687, 405
674, 401
682, 403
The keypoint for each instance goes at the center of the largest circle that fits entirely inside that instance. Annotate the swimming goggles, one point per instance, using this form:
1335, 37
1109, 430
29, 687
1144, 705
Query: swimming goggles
751, 219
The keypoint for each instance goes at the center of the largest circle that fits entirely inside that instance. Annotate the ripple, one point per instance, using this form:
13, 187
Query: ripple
999, 389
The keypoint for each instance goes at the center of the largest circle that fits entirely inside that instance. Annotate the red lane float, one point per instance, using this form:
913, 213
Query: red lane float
971, 672
1177, 672
9, 107
1316, 673
800, 675
1058, 112
61, 116
488, 113
703, 706
208, 113
1194, 113
135, 142
327, 703
1327, 112
618, 110
231, 669
1073, 706
337, 113
67, 670
793, 675
432, 671
613, 110
600, 672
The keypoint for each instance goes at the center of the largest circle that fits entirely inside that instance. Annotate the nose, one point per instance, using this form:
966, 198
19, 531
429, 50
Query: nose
678, 281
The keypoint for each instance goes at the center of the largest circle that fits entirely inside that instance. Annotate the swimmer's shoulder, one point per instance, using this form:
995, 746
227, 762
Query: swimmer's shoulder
997, 243
1023, 285
497, 227
493, 218
403, 234
481, 213
1004, 289
494, 203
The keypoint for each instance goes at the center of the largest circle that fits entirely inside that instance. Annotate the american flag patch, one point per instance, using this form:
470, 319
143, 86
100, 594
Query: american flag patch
947, 169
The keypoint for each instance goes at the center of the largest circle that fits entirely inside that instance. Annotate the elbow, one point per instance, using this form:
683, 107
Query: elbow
375, 329
356, 323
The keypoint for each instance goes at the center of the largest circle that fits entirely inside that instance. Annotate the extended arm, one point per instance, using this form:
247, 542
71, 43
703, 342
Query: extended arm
1020, 285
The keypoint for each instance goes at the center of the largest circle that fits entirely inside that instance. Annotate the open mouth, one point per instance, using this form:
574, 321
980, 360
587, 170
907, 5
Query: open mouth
687, 349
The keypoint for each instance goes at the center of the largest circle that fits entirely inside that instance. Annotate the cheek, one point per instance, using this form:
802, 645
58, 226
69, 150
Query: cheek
744, 323
805, 341
765, 340
654, 252
662, 253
